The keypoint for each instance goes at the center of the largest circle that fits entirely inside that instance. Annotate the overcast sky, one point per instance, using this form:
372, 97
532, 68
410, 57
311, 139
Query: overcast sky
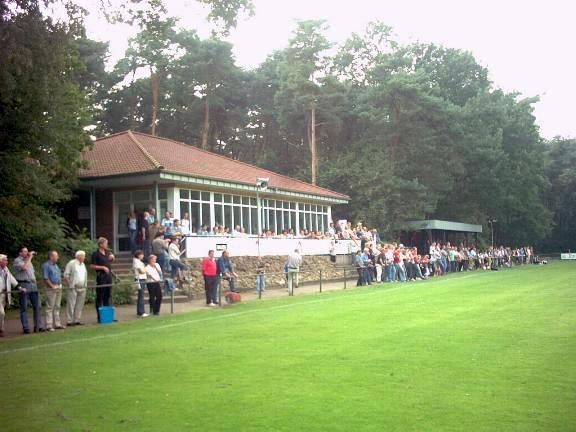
528, 46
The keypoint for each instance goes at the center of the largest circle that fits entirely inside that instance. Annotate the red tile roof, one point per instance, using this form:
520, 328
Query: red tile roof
133, 153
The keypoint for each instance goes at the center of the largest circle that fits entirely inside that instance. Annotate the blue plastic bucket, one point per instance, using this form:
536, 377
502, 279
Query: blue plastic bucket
106, 314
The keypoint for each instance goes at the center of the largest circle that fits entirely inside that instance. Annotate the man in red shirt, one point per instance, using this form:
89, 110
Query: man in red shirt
209, 273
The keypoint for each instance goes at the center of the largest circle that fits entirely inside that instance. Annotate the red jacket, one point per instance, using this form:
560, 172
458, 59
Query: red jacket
208, 267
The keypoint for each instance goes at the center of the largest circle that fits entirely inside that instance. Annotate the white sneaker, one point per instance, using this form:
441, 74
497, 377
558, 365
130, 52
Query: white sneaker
144, 315
212, 304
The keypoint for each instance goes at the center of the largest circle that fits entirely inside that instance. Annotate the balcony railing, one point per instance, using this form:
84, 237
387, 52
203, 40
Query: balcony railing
198, 246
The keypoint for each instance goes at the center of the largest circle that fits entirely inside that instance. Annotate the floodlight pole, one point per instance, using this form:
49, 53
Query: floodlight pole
259, 216
491, 221
261, 185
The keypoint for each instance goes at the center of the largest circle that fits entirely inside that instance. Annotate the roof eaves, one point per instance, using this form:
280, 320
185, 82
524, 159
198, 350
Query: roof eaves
119, 175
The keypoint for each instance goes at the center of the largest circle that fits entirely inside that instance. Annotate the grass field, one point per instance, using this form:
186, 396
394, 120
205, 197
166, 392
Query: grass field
477, 351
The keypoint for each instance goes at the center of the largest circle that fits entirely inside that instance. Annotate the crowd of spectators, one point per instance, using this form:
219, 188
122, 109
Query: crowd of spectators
376, 262
156, 248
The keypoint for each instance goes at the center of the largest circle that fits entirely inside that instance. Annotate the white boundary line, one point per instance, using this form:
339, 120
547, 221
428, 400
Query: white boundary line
401, 286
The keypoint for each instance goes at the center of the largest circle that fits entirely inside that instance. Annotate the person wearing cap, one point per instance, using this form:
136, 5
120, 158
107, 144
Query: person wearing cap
7, 283
76, 278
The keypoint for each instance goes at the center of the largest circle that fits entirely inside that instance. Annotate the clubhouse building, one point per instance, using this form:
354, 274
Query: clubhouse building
134, 171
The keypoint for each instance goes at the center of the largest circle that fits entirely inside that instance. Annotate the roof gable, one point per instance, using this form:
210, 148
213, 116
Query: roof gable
132, 153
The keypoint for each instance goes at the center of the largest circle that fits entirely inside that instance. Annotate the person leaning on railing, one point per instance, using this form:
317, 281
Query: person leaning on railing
226, 270
174, 253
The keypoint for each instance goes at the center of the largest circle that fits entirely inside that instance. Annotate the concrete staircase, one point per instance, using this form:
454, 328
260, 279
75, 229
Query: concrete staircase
123, 269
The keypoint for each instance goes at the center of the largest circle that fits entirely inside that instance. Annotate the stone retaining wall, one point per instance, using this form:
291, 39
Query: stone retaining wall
245, 267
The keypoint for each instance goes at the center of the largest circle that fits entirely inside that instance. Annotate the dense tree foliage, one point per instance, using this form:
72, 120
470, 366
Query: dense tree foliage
561, 197
46, 69
408, 131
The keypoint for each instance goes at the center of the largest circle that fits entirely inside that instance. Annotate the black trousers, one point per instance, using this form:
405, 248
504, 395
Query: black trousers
102, 298
361, 276
155, 296
210, 285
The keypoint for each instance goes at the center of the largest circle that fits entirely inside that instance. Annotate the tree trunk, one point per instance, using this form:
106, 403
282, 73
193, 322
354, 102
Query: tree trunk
312, 143
155, 84
396, 140
206, 127
133, 99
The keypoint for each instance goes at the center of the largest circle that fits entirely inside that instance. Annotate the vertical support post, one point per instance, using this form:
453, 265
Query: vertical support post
219, 288
492, 232
344, 277
92, 213
320, 280
259, 233
297, 229
157, 201
212, 212
172, 300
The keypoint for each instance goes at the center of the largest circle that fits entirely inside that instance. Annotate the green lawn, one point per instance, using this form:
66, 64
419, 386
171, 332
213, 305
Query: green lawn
476, 351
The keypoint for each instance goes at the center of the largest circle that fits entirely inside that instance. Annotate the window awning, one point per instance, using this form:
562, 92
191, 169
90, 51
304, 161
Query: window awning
435, 224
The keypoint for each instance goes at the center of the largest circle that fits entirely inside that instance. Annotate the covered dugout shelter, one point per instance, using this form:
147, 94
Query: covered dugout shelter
423, 233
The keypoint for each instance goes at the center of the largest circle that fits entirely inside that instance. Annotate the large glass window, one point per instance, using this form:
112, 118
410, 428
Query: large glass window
227, 222
237, 216
206, 215
254, 221
235, 210
218, 214
195, 216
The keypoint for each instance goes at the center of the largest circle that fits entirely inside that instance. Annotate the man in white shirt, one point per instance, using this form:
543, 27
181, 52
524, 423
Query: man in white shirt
7, 282
76, 279
294, 263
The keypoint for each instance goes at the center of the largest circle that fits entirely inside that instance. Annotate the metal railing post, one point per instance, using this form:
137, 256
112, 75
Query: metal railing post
258, 280
219, 288
172, 300
320, 280
344, 277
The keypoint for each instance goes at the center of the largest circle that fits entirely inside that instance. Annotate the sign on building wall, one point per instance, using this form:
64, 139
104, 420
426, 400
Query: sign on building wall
83, 213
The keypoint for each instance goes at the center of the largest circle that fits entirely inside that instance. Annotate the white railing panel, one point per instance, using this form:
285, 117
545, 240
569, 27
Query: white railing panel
198, 246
